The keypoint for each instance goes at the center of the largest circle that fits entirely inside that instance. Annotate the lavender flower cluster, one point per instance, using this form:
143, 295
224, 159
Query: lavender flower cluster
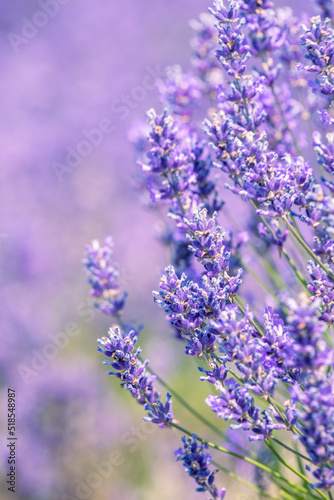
259, 322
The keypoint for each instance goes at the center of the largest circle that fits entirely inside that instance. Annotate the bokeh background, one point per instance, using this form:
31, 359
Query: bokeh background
60, 80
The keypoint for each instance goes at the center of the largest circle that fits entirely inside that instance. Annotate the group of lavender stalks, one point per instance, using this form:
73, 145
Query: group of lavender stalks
254, 115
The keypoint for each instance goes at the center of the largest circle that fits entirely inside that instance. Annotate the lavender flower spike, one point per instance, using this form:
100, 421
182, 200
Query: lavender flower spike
103, 276
196, 463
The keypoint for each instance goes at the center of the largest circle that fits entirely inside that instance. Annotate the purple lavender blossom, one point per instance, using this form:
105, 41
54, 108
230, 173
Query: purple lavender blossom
189, 304
259, 360
196, 462
132, 373
235, 403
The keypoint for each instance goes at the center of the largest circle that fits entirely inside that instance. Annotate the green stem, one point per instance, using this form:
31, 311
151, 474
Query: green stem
259, 281
270, 268
297, 227
244, 482
177, 196
291, 496
288, 258
307, 248
299, 462
300, 455
242, 457
296, 271
299, 474
186, 405
176, 395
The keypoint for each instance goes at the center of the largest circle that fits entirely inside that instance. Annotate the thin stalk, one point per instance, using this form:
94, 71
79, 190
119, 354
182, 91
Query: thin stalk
193, 411
296, 224
300, 463
296, 271
244, 482
235, 375
252, 322
279, 408
296, 253
186, 405
259, 281
291, 496
299, 474
177, 396
177, 195
270, 268
307, 248
244, 458
300, 455
242, 303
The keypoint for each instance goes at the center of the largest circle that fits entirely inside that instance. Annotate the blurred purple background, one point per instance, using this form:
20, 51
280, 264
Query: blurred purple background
60, 81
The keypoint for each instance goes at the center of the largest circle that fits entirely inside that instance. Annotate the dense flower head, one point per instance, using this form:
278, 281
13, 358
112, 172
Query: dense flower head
264, 32
234, 51
275, 184
189, 305
164, 157
319, 212
276, 339
235, 403
159, 413
177, 166
196, 462
258, 359
206, 241
217, 373
103, 276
